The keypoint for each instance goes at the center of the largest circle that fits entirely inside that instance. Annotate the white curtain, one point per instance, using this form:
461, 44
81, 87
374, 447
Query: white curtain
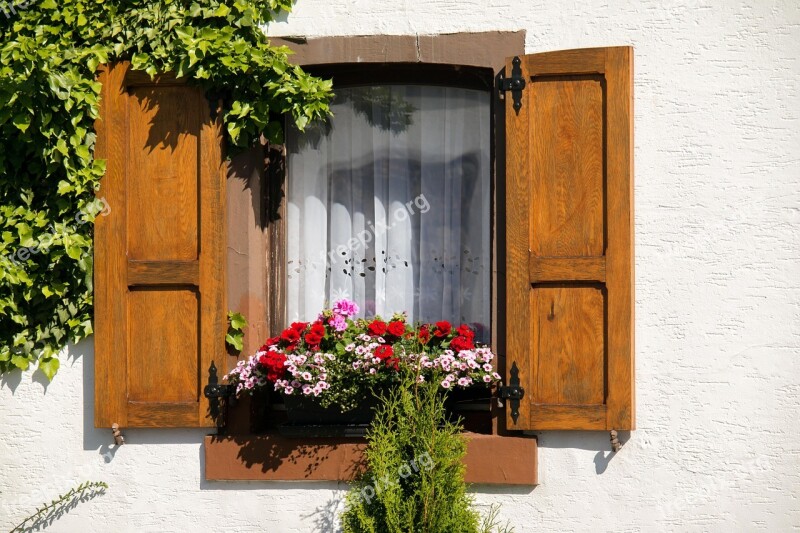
388, 205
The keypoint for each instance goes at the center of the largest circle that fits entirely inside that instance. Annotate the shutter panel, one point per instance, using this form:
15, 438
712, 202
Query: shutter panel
569, 240
159, 254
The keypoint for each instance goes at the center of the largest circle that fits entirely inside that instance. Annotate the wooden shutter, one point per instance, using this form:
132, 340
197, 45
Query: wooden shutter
159, 253
569, 240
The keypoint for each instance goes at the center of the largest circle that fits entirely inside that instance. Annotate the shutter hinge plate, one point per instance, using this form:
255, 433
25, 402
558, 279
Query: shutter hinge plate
512, 392
215, 391
515, 84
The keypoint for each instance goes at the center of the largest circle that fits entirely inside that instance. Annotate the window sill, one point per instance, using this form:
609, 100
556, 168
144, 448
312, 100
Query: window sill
490, 459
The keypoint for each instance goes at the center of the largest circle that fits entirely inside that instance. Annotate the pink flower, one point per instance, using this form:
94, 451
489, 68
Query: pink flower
345, 307
338, 322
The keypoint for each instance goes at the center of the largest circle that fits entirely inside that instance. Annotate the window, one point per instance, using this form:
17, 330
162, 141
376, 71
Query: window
560, 229
388, 203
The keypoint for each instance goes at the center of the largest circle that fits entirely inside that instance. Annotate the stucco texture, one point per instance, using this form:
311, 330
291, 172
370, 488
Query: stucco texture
717, 155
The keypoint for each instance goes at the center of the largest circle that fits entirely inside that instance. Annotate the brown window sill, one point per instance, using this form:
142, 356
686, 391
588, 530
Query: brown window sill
490, 459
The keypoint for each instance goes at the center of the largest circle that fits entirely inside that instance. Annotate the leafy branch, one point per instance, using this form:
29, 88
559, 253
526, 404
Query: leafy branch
83, 492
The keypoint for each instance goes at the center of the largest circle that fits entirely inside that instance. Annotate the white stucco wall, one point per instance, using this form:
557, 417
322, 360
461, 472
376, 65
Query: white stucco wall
717, 305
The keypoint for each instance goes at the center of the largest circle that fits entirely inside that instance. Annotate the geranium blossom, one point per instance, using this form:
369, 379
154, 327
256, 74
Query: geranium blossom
345, 307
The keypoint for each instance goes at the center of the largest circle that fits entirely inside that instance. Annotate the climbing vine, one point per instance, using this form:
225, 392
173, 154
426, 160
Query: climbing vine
50, 53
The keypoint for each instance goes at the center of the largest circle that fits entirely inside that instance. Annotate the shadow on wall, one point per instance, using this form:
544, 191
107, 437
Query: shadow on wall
101, 439
11, 380
48, 514
585, 440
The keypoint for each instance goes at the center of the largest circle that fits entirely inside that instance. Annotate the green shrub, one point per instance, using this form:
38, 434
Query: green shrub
414, 475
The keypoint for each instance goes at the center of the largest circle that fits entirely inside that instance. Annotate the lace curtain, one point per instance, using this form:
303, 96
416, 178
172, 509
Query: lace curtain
389, 205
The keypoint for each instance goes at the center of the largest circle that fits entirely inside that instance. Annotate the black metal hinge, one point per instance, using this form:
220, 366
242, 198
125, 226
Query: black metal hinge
515, 84
215, 391
512, 392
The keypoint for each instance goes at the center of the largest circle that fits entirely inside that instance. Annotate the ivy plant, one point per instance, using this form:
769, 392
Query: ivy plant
235, 336
50, 53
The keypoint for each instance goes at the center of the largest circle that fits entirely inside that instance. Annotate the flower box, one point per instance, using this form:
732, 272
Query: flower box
307, 417
325, 369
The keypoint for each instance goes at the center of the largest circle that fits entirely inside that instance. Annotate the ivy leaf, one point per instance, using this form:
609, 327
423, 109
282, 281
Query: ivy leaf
236, 340
20, 361
238, 322
22, 121
49, 366
64, 187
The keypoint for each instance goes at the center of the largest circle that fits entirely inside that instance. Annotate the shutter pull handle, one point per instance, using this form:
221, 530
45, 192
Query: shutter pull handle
119, 438
615, 443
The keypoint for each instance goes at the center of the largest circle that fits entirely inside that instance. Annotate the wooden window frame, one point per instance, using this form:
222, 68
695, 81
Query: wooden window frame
256, 262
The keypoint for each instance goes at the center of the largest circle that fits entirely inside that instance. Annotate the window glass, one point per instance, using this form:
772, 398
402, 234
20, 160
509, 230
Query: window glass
389, 205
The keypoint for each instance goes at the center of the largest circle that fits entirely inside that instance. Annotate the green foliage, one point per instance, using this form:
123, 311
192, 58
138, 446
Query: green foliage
49, 100
414, 477
48, 512
235, 335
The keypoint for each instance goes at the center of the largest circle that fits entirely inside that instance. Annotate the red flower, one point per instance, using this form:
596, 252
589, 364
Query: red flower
396, 328
393, 362
424, 335
461, 343
272, 341
290, 335
466, 331
318, 329
312, 339
273, 362
384, 352
377, 327
299, 326
442, 329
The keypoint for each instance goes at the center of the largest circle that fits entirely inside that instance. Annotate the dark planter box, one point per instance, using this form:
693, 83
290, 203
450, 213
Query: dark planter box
307, 418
